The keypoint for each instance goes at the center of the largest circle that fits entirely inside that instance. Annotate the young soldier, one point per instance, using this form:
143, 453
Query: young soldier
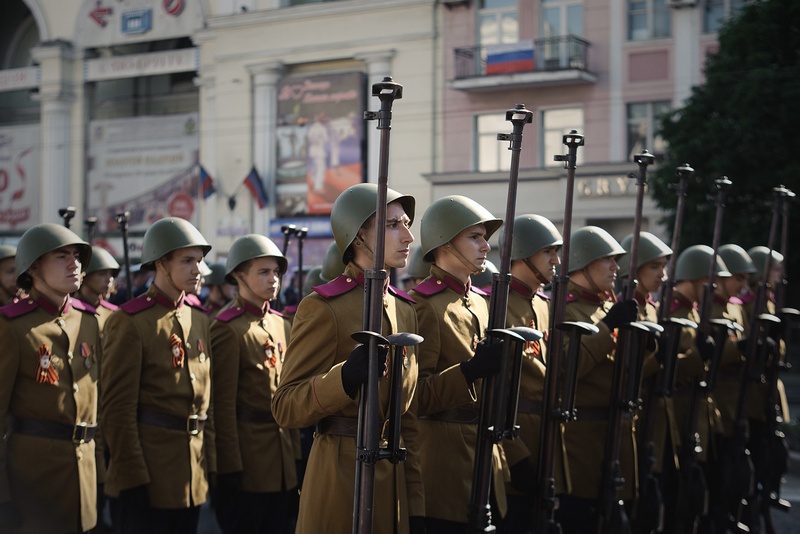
156, 381
48, 390
590, 299
453, 318
324, 369
98, 284
534, 256
417, 270
8, 274
219, 290
255, 457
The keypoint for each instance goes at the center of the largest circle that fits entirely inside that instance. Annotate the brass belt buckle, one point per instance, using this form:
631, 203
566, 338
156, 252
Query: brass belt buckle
79, 433
193, 424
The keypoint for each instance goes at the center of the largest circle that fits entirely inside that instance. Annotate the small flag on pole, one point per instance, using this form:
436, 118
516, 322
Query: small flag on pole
253, 182
206, 183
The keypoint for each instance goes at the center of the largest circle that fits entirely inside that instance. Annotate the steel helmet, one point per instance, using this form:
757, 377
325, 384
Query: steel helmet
252, 246
736, 259
102, 259
484, 278
168, 235
417, 268
354, 206
41, 239
531, 234
693, 263
591, 243
313, 278
7, 251
447, 217
332, 264
759, 256
216, 275
650, 248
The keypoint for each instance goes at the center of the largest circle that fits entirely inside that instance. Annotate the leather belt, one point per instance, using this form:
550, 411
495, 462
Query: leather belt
80, 433
462, 415
192, 424
529, 406
596, 414
338, 426
253, 415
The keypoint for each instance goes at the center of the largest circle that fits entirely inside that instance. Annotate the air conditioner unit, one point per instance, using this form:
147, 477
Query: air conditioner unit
679, 4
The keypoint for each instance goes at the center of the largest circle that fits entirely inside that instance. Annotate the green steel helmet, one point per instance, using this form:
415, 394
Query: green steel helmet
531, 234
41, 239
252, 246
417, 268
168, 235
217, 275
759, 256
102, 259
332, 264
7, 251
447, 217
650, 248
354, 206
485, 278
693, 264
736, 259
313, 278
591, 243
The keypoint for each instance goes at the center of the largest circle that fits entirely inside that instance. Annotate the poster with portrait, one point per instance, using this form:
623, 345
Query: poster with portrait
320, 136
20, 152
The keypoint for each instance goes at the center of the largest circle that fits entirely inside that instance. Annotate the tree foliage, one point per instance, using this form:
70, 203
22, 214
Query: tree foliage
741, 123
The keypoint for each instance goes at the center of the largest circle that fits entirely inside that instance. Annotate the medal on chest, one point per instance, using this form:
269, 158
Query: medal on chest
532, 348
270, 358
86, 353
45, 371
176, 348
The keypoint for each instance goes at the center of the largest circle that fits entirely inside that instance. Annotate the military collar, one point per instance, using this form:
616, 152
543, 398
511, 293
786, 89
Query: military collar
641, 300
580, 292
357, 273
456, 285
679, 301
719, 301
251, 308
520, 287
158, 296
48, 306
747, 297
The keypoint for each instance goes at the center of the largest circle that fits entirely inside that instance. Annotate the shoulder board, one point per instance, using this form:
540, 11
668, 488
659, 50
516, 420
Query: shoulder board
19, 308
107, 305
82, 306
431, 286
543, 296
275, 312
488, 291
289, 310
479, 291
572, 297
140, 303
338, 286
231, 313
402, 295
194, 301
736, 300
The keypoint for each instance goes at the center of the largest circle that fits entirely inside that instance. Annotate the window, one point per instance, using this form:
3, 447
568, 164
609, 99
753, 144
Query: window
498, 22
560, 19
717, 12
493, 155
642, 127
648, 19
555, 124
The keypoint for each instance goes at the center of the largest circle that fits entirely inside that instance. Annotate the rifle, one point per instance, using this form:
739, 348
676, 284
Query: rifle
625, 382
301, 234
369, 427
558, 404
67, 214
288, 231
122, 221
90, 223
500, 393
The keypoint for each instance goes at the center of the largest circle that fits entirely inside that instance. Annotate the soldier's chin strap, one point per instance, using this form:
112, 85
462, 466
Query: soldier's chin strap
168, 276
536, 272
594, 287
241, 282
468, 264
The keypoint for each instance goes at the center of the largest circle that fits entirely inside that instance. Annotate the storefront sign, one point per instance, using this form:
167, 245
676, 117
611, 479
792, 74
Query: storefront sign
135, 65
19, 176
16, 79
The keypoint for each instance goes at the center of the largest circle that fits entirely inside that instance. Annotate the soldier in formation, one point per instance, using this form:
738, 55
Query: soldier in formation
8, 274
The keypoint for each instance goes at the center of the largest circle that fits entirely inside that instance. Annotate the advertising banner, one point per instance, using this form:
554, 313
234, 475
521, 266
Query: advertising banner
145, 165
19, 177
320, 141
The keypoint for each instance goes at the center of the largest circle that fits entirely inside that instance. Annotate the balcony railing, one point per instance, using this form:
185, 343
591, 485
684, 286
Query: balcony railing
542, 55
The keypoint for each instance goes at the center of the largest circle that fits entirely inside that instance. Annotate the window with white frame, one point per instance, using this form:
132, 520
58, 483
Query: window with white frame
648, 19
716, 12
643, 120
555, 124
492, 155
498, 22
559, 20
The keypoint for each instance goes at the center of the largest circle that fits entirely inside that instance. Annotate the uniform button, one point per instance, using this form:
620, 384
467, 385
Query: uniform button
192, 376
188, 345
202, 357
61, 322
75, 388
149, 299
438, 282
349, 279
69, 355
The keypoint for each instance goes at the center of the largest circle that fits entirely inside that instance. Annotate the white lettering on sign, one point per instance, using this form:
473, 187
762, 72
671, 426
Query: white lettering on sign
603, 186
15, 79
142, 64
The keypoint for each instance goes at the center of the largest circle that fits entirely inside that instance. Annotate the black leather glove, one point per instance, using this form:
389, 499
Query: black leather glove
485, 362
356, 368
705, 346
523, 477
416, 525
621, 313
9, 517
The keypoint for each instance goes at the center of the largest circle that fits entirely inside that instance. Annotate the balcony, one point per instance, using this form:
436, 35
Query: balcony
551, 61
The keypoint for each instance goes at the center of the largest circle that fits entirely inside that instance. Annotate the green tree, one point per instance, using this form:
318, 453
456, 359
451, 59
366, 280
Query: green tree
743, 124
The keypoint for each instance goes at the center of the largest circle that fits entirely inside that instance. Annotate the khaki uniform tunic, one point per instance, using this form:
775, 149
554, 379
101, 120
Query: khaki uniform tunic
138, 374
249, 345
452, 319
731, 369
51, 482
585, 438
311, 389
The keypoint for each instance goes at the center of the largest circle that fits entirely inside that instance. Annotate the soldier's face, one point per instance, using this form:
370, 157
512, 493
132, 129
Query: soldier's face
397, 239
8, 275
733, 286
100, 282
546, 261
183, 268
651, 274
603, 272
472, 244
260, 281
58, 272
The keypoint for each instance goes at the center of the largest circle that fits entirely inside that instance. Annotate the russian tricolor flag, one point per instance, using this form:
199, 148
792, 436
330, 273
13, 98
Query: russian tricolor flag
206, 183
512, 57
253, 182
